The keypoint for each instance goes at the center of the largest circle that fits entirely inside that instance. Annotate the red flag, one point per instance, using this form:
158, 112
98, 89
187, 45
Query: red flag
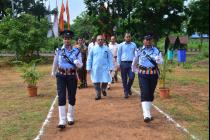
67, 13
61, 20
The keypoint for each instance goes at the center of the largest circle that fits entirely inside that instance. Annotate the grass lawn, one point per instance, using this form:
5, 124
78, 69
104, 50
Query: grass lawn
189, 97
22, 116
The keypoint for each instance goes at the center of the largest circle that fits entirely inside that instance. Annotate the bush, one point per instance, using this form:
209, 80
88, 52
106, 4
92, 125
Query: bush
29, 72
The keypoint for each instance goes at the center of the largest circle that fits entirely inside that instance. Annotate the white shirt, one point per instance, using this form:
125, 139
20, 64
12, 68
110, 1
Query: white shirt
90, 46
113, 48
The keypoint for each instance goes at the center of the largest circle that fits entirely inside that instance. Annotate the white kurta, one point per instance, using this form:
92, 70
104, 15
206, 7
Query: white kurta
113, 48
100, 62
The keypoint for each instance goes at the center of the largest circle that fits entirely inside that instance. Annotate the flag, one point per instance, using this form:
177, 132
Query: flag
67, 13
55, 22
61, 19
49, 16
49, 33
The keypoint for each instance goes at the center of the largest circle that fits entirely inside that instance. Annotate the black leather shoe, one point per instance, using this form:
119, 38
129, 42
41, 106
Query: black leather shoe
126, 96
70, 122
130, 93
85, 85
147, 120
97, 97
104, 93
81, 86
61, 126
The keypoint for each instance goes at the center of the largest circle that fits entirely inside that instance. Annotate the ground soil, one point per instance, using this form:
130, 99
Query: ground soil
111, 118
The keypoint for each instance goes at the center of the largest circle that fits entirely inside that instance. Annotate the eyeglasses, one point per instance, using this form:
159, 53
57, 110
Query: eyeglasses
148, 39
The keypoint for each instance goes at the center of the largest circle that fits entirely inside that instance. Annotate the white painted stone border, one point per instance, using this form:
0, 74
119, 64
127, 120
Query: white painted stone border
170, 119
41, 131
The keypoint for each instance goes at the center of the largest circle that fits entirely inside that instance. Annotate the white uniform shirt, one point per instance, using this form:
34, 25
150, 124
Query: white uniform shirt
113, 48
90, 46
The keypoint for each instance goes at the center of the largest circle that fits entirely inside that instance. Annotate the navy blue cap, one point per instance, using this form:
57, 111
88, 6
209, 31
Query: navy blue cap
67, 34
148, 37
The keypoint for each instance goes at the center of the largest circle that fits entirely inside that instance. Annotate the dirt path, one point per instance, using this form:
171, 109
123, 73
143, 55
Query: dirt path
112, 118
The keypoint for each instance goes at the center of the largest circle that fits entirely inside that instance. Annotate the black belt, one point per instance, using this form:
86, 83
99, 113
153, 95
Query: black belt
66, 71
126, 61
145, 68
149, 70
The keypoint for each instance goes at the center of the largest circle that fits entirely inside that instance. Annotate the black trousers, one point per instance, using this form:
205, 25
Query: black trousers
69, 83
127, 76
100, 87
82, 73
147, 84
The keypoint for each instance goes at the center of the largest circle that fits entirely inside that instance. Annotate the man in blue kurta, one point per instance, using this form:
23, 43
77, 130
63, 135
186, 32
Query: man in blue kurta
99, 65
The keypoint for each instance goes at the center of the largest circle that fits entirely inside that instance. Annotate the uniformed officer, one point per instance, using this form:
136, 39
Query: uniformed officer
99, 65
66, 60
125, 55
145, 64
82, 73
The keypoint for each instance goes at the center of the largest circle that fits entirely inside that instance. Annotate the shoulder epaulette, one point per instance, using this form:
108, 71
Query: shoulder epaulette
140, 48
156, 48
57, 49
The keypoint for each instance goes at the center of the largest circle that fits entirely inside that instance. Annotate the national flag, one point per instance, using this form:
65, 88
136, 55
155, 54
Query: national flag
61, 19
49, 33
67, 13
49, 16
55, 22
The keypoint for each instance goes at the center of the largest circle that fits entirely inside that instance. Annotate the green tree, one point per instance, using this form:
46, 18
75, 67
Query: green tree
100, 16
34, 7
198, 17
23, 35
4, 4
83, 26
116, 14
159, 17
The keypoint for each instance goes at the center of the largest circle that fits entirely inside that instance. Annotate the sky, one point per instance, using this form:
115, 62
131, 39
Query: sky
76, 7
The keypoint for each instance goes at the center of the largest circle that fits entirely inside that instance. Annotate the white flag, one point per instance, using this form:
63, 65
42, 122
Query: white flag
50, 33
55, 25
49, 16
